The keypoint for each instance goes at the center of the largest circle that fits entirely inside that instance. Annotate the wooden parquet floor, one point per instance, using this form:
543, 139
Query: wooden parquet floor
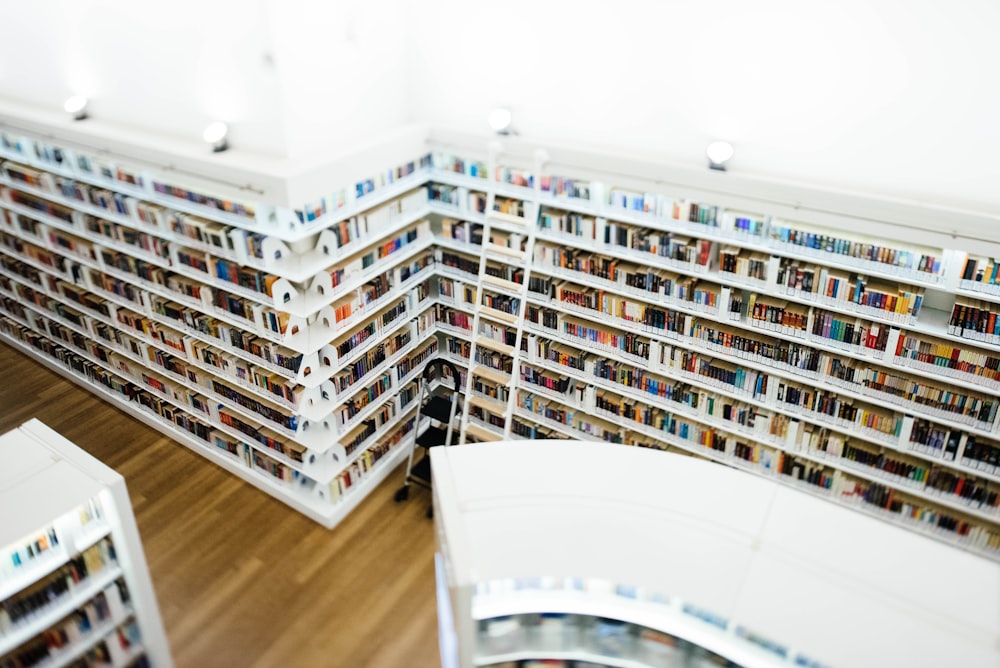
241, 579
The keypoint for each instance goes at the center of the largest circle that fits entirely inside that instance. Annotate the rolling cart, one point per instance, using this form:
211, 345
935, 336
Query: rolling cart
442, 410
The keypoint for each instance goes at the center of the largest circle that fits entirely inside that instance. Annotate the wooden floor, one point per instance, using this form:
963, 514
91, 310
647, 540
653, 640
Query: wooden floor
241, 579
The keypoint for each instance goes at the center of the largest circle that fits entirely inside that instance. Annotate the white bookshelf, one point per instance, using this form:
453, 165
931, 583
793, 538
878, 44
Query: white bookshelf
759, 574
905, 482
68, 532
272, 380
316, 246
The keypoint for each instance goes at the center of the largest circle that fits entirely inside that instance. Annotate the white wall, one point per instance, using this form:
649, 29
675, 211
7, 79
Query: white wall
894, 97
342, 67
290, 77
171, 67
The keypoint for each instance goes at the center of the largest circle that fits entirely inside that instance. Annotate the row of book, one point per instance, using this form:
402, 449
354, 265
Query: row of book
528, 430
874, 337
973, 492
760, 423
56, 586
370, 360
981, 274
359, 469
242, 209
976, 320
179, 377
801, 280
359, 437
209, 235
459, 165
494, 360
288, 450
490, 389
110, 199
827, 244
76, 627
390, 176
143, 242
101, 325
258, 316
415, 360
217, 238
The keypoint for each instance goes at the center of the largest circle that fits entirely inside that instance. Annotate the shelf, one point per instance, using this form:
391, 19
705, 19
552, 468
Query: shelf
461, 213
43, 566
322, 512
887, 360
243, 384
66, 655
496, 314
704, 381
760, 245
507, 221
317, 342
664, 614
59, 608
533, 651
907, 486
299, 435
494, 345
164, 263
201, 447
458, 246
490, 373
487, 403
480, 431
682, 538
503, 284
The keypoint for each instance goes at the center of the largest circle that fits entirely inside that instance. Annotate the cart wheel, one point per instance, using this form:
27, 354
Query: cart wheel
430, 512
402, 493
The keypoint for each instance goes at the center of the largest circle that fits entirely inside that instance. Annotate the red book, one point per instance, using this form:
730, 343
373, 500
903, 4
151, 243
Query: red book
705, 248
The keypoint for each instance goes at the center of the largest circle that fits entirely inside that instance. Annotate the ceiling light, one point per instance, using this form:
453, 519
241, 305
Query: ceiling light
76, 105
215, 134
500, 121
718, 153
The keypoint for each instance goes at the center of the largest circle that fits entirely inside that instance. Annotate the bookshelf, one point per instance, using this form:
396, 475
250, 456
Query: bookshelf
848, 350
279, 343
74, 587
805, 349
636, 560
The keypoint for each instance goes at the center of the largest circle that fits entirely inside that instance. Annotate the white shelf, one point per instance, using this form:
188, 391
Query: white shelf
536, 652
367, 202
59, 608
314, 339
680, 539
745, 241
66, 655
706, 382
